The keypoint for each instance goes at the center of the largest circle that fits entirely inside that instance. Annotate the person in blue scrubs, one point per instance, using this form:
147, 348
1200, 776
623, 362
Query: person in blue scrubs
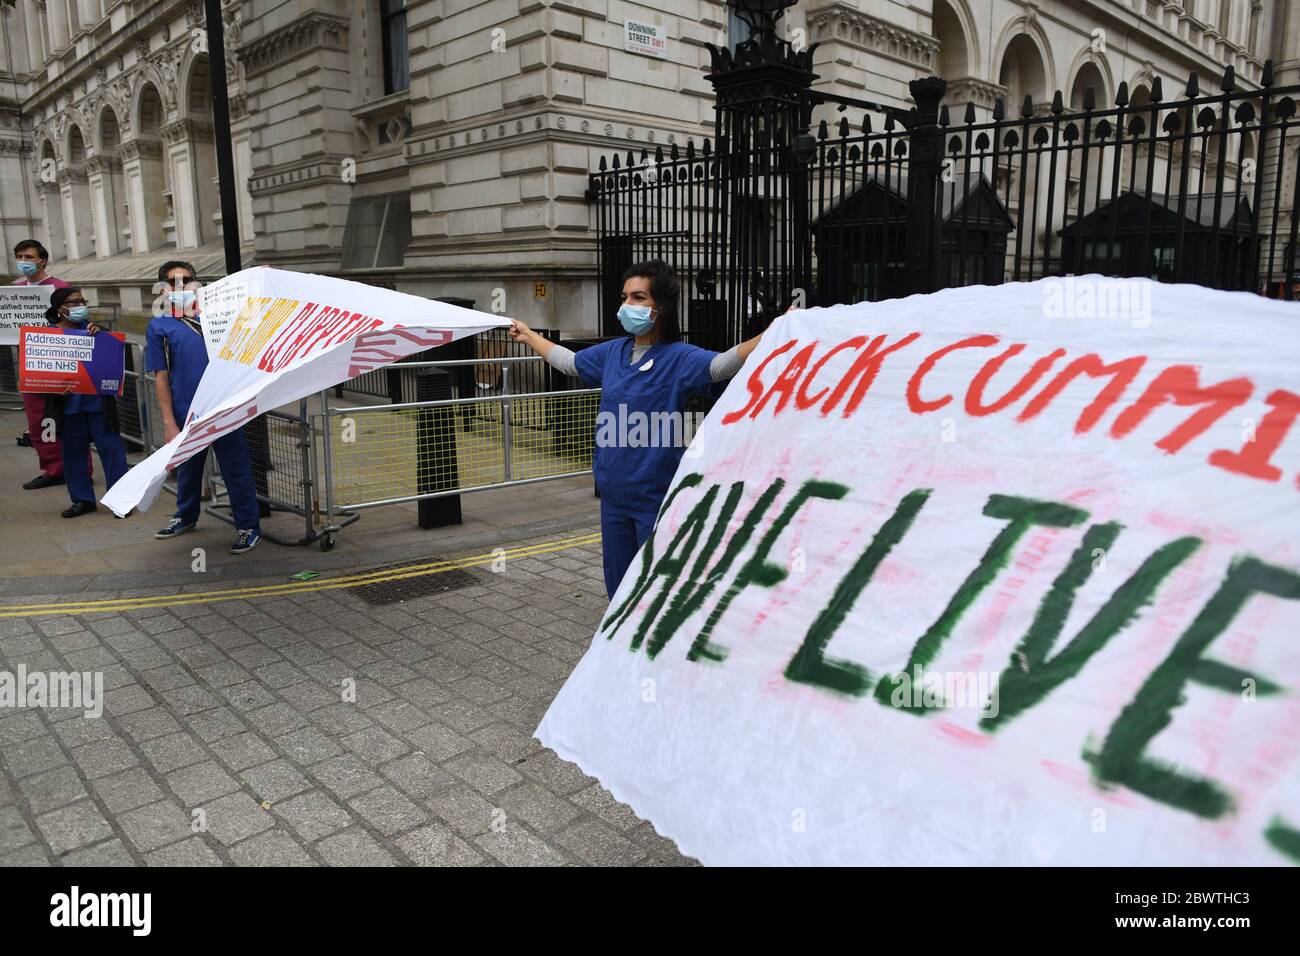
176, 352
82, 419
649, 371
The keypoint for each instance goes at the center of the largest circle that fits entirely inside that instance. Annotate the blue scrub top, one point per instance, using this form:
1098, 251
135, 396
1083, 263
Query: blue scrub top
663, 379
189, 357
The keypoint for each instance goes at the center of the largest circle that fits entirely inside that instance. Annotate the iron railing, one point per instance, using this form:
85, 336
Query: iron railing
883, 203
439, 446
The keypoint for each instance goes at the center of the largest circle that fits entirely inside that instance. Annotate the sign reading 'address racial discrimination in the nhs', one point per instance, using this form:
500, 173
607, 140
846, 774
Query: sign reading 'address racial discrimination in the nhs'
53, 359
274, 337
1002, 575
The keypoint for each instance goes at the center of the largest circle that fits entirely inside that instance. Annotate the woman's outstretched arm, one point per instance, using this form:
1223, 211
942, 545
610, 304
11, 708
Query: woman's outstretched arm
520, 332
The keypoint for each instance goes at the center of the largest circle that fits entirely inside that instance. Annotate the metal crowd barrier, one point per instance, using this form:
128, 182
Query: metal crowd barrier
9, 369
327, 467
433, 449
284, 470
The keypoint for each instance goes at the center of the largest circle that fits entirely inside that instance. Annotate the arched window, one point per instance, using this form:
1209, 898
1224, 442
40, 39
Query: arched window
952, 41
1023, 73
1089, 76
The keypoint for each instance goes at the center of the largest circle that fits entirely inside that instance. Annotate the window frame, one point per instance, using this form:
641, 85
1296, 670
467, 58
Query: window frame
391, 11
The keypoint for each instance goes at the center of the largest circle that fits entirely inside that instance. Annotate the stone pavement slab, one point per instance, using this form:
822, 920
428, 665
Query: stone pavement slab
302, 726
311, 728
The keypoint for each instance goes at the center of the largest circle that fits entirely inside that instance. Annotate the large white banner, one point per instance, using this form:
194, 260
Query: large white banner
275, 336
999, 575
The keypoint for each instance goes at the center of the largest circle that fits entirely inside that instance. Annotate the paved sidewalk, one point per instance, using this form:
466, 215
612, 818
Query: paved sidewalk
333, 721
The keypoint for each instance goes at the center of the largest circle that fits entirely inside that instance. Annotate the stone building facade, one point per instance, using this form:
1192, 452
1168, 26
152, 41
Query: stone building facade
442, 146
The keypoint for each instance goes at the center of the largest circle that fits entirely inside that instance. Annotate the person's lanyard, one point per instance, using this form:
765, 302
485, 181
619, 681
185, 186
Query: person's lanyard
190, 324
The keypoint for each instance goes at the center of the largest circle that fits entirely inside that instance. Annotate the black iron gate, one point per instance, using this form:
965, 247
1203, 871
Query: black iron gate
883, 202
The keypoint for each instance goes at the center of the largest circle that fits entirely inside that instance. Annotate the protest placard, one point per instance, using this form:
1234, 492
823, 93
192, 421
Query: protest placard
22, 305
998, 575
274, 337
53, 359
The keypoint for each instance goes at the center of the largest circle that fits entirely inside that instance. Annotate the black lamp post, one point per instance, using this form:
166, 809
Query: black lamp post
221, 128
258, 438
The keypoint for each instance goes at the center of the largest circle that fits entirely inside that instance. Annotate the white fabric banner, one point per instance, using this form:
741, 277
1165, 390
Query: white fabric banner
274, 337
998, 575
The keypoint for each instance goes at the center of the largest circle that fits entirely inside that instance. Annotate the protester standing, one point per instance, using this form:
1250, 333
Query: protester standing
82, 419
175, 351
30, 259
651, 371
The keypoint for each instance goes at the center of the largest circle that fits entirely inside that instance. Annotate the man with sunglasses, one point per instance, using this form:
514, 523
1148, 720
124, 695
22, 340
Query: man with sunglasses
177, 354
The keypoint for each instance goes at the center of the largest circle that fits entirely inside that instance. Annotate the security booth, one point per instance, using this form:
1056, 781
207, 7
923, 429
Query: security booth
1137, 234
861, 240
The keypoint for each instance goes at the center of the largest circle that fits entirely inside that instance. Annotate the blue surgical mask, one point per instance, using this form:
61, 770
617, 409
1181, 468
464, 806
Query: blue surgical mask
28, 269
635, 318
184, 298
79, 314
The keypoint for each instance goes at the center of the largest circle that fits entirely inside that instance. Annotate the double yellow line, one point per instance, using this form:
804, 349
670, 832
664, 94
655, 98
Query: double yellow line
116, 605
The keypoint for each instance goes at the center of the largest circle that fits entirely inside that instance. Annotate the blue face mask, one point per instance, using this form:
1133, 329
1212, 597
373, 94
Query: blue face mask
28, 269
79, 314
185, 298
635, 318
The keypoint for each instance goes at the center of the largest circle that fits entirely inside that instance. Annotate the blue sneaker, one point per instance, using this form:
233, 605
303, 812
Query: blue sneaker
174, 527
245, 540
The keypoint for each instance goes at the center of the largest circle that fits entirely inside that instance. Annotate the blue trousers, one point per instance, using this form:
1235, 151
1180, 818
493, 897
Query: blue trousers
623, 530
236, 469
79, 430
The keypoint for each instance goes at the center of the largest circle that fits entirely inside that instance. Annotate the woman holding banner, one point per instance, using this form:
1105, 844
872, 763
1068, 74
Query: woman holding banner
647, 373
81, 419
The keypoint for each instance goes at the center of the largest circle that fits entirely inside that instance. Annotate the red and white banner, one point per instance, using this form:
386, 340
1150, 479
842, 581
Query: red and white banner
274, 337
999, 575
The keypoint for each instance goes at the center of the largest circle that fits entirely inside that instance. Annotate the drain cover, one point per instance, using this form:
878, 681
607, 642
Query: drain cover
407, 589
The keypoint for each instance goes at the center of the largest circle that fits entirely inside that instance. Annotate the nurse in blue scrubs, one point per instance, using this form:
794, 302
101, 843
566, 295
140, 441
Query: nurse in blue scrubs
82, 419
648, 371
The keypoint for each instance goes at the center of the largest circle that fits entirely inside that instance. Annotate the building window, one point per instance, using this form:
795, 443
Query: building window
378, 231
397, 55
